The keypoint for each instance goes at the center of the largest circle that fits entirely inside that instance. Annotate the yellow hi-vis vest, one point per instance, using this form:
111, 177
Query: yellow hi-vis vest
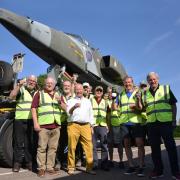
49, 110
64, 115
23, 106
108, 115
115, 118
158, 107
100, 112
127, 114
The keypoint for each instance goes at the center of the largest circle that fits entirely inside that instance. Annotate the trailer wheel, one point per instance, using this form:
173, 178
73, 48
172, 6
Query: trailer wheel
6, 148
6, 74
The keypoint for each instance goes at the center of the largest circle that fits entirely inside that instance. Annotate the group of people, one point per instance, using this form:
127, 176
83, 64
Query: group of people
79, 120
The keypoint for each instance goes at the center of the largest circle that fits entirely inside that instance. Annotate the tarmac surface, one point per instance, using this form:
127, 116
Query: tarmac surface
114, 174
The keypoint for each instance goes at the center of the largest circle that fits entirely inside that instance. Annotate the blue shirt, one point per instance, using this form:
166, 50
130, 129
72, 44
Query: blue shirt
117, 102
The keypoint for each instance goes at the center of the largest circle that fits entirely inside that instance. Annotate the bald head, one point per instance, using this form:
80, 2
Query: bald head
31, 82
79, 90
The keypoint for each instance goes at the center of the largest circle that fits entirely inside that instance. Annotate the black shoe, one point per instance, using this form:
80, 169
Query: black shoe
176, 176
16, 167
91, 172
131, 170
121, 165
137, 167
105, 168
154, 174
83, 163
140, 172
29, 166
95, 168
111, 164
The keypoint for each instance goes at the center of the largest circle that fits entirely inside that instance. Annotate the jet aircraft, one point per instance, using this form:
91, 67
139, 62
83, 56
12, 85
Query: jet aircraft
57, 47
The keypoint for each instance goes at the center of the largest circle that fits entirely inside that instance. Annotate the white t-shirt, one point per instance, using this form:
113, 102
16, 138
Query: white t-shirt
82, 114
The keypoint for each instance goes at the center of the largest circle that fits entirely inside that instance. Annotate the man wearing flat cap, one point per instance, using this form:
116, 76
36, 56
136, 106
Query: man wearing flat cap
100, 128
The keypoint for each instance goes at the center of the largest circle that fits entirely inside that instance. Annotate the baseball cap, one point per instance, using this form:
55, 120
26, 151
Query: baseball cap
86, 84
143, 83
99, 87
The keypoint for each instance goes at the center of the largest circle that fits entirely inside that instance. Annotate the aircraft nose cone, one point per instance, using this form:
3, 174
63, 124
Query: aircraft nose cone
13, 21
6, 16
1, 13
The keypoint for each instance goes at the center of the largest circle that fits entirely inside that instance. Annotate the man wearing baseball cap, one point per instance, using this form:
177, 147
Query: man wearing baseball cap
100, 128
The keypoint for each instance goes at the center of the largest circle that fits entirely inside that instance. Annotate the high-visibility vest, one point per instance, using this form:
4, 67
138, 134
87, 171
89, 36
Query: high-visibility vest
108, 115
64, 115
115, 118
49, 110
127, 114
23, 106
100, 112
158, 107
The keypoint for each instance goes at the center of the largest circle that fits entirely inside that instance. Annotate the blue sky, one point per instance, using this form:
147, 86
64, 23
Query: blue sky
143, 35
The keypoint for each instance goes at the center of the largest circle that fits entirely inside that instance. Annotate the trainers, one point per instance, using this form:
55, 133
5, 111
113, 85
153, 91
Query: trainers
70, 172
131, 170
78, 163
41, 173
121, 165
91, 172
155, 174
140, 172
16, 167
176, 176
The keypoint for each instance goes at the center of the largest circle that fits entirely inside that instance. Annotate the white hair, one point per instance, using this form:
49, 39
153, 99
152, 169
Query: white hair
51, 79
32, 77
152, 74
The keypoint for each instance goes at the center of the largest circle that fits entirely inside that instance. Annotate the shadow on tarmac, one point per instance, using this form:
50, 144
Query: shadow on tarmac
116, 174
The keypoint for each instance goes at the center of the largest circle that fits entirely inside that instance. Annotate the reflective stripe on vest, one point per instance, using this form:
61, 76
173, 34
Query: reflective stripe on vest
64, 115
127, 114
158, 107
100, 111
23, 106
115, 118
49, 110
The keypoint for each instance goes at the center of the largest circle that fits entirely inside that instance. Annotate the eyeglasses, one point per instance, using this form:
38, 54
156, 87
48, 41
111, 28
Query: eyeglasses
99, 90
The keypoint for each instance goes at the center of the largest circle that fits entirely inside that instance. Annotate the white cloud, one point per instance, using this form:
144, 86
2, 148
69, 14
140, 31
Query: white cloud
157, 40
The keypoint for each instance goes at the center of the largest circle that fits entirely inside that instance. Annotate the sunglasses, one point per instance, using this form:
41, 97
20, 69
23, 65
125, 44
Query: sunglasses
100, 90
